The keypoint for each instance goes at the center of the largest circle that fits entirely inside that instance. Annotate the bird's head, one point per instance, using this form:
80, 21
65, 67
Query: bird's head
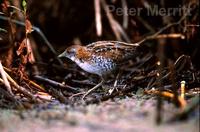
71, 52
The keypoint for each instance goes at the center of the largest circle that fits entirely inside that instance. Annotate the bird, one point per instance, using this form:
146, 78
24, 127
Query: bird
101, 58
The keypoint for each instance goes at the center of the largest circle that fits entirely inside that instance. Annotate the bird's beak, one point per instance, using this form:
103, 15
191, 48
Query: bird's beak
62, 54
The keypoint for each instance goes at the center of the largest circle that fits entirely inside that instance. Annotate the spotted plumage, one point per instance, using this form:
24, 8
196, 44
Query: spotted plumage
100, 57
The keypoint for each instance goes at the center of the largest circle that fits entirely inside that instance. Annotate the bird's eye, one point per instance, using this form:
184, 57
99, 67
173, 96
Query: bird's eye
72, 51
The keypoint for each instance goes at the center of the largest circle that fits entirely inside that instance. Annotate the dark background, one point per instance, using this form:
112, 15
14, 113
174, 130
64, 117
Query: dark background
64, 20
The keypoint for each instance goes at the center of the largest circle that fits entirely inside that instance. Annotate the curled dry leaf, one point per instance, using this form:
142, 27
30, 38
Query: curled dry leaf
26, 52
29, 27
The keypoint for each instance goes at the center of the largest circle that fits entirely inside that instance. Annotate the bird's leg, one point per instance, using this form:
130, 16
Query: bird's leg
95, 87
115, 84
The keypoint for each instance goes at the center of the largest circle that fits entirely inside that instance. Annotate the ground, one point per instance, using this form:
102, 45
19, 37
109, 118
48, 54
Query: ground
135, 114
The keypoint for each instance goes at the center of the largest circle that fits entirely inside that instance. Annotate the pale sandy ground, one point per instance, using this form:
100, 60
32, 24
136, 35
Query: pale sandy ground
125, 115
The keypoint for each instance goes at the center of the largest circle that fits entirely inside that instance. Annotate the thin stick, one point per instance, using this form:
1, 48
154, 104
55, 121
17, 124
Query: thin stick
159, 107
183, 89
5, 80
111, 20
163, 29
34, 84
22, 89
125, 13
92, 89
54, 83
98, 17
159, 32
169, 95
173, 80
27, 80
114, 94
122, 32
171, 35
116, 27
145, 24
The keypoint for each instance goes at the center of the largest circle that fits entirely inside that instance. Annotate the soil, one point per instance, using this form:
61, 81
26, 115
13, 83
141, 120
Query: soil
135, 114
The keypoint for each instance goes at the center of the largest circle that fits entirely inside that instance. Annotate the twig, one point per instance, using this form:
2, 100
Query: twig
125, 13
159, 32
159, 81
183, 89
172, 35
111, 20
86, 82
77, 94
5, 80
117, 29
145, 24
44, 96
173, 80
114, 94
22, 89
27, 80
34, 84
122, 32
181, 102
163, 29
98, 17
54, 83
115, 83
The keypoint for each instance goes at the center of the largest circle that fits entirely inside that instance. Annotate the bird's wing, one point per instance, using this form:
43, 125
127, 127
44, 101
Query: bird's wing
118, 51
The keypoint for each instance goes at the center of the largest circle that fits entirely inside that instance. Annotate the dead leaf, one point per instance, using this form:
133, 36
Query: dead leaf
29, 27
25, 52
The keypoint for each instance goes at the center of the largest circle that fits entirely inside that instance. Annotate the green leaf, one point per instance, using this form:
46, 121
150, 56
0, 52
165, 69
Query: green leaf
24, 5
